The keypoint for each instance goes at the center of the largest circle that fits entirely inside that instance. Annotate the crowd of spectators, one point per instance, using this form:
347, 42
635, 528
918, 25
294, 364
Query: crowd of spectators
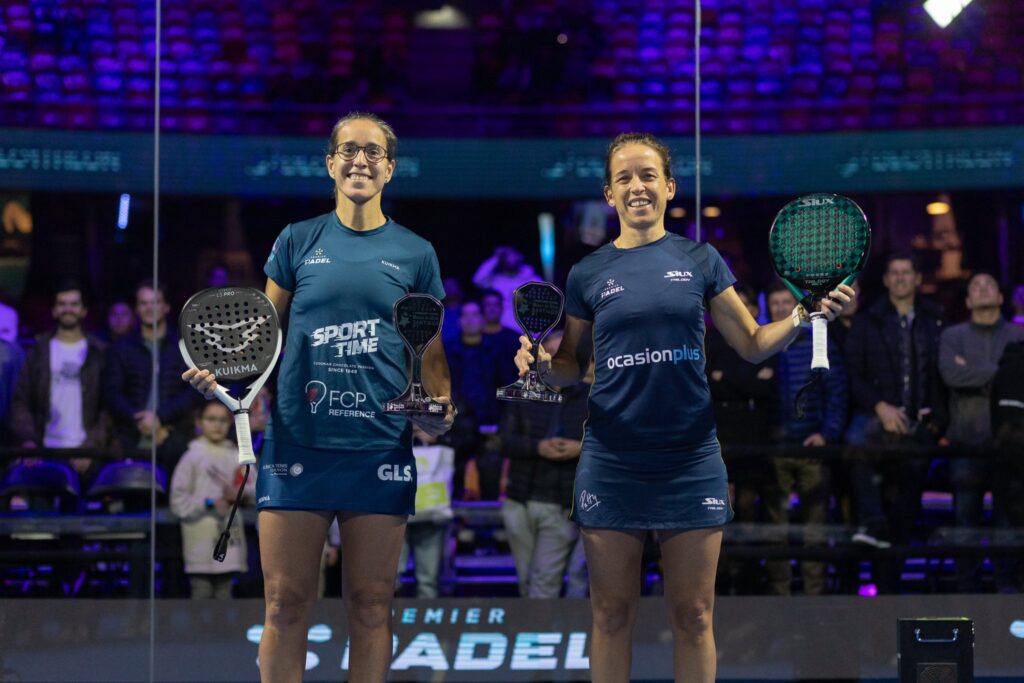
792, 65
904, 380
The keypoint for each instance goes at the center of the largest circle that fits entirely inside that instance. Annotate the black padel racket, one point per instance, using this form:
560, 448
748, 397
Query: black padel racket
818, 242
235, 333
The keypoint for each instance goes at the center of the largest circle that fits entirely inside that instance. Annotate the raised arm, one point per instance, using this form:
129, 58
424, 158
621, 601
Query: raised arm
754, 342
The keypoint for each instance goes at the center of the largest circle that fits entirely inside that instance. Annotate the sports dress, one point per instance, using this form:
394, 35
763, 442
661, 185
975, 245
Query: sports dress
329, 445
651, 457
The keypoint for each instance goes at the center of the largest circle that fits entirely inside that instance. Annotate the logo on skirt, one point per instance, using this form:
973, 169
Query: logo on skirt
588, 501
713, 503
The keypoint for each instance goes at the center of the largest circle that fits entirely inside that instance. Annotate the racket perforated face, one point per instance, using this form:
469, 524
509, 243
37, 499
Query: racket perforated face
418, 319
819, 240
230, 331
538, 308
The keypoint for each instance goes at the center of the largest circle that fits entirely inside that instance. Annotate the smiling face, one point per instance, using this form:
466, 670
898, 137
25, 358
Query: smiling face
639, 188
69, 309
901, 279
358, 179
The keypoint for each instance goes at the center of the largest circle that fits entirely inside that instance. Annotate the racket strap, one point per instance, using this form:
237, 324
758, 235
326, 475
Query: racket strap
802, 393
220, 551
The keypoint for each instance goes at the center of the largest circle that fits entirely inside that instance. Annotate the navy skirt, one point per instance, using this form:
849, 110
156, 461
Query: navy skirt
651, 489
293, 477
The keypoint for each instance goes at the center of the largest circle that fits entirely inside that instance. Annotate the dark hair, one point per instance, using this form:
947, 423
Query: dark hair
484, 293
70, 285
206, 406
967, 285
779, 286
746, 290
902, 256
647, 139
385, 127
149, 283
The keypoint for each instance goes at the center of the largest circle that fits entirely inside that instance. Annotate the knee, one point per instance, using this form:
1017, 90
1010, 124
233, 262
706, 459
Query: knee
287, 606
692, 618
369, 608
613, 616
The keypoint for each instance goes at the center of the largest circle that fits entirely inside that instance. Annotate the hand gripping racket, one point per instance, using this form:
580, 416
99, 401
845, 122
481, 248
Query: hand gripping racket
818, 242
233, 332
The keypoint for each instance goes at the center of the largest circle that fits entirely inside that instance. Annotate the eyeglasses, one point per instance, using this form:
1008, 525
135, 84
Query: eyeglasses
349, 150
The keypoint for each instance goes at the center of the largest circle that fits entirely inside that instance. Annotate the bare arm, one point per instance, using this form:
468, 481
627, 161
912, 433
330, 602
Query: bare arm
437, 379
754, 342
280, 297
570, 364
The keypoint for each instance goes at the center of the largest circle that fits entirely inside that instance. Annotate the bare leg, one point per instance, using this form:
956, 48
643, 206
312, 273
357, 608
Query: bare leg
613, 560
291, 544
370, 546
690, 561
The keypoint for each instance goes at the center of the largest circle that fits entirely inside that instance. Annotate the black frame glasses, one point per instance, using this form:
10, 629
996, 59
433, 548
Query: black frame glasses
373, 152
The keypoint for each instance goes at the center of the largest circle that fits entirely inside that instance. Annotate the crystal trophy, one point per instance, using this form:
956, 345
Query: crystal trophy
538, 308
418, 320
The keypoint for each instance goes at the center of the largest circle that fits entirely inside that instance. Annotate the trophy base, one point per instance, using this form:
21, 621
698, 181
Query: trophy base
529, 389
413, 406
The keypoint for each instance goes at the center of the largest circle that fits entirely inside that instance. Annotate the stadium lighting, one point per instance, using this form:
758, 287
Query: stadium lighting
711, 212
945, 11
937, 208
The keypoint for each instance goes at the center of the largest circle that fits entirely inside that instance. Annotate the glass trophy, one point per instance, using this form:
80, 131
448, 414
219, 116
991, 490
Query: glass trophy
538, 308
418, 320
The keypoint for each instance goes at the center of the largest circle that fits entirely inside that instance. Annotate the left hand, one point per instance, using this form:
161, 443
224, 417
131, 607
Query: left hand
814, 440
435, 425
832, 305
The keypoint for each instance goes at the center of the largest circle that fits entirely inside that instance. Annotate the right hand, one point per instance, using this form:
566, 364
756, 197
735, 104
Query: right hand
222, 506
524, 358
557, 449
894, 420
202, 380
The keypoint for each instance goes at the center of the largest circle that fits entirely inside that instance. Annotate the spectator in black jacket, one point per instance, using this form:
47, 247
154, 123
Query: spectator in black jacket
897, 397
542, 442
473, 363
822, 421
1007, 410
57, 400
142, 414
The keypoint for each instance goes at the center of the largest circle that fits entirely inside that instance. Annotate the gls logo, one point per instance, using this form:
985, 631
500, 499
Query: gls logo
394, 473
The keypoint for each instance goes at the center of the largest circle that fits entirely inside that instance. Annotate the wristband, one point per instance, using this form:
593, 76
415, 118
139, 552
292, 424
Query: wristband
800, 317
210, 504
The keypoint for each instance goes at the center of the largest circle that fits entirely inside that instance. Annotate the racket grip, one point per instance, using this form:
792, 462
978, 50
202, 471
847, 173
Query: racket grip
246, 456
819, 342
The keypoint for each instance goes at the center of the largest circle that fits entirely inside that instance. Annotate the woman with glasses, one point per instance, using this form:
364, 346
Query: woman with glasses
330, 449
650, 458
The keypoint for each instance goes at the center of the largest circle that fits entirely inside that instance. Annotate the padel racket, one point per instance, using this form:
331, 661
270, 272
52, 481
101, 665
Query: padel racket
818, 242
235, 333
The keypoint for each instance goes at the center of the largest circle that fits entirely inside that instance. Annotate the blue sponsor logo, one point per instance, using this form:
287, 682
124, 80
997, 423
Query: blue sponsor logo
647, 357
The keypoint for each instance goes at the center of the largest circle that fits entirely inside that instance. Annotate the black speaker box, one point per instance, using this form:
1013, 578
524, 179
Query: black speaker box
936, 650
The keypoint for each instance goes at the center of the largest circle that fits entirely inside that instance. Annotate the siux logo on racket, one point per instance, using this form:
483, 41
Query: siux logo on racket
817, 201
215, 333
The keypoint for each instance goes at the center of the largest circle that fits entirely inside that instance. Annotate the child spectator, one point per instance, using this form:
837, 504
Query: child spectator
202, 489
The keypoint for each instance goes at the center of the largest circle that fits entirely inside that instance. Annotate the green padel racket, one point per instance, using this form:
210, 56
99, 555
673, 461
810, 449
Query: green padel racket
818, 242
